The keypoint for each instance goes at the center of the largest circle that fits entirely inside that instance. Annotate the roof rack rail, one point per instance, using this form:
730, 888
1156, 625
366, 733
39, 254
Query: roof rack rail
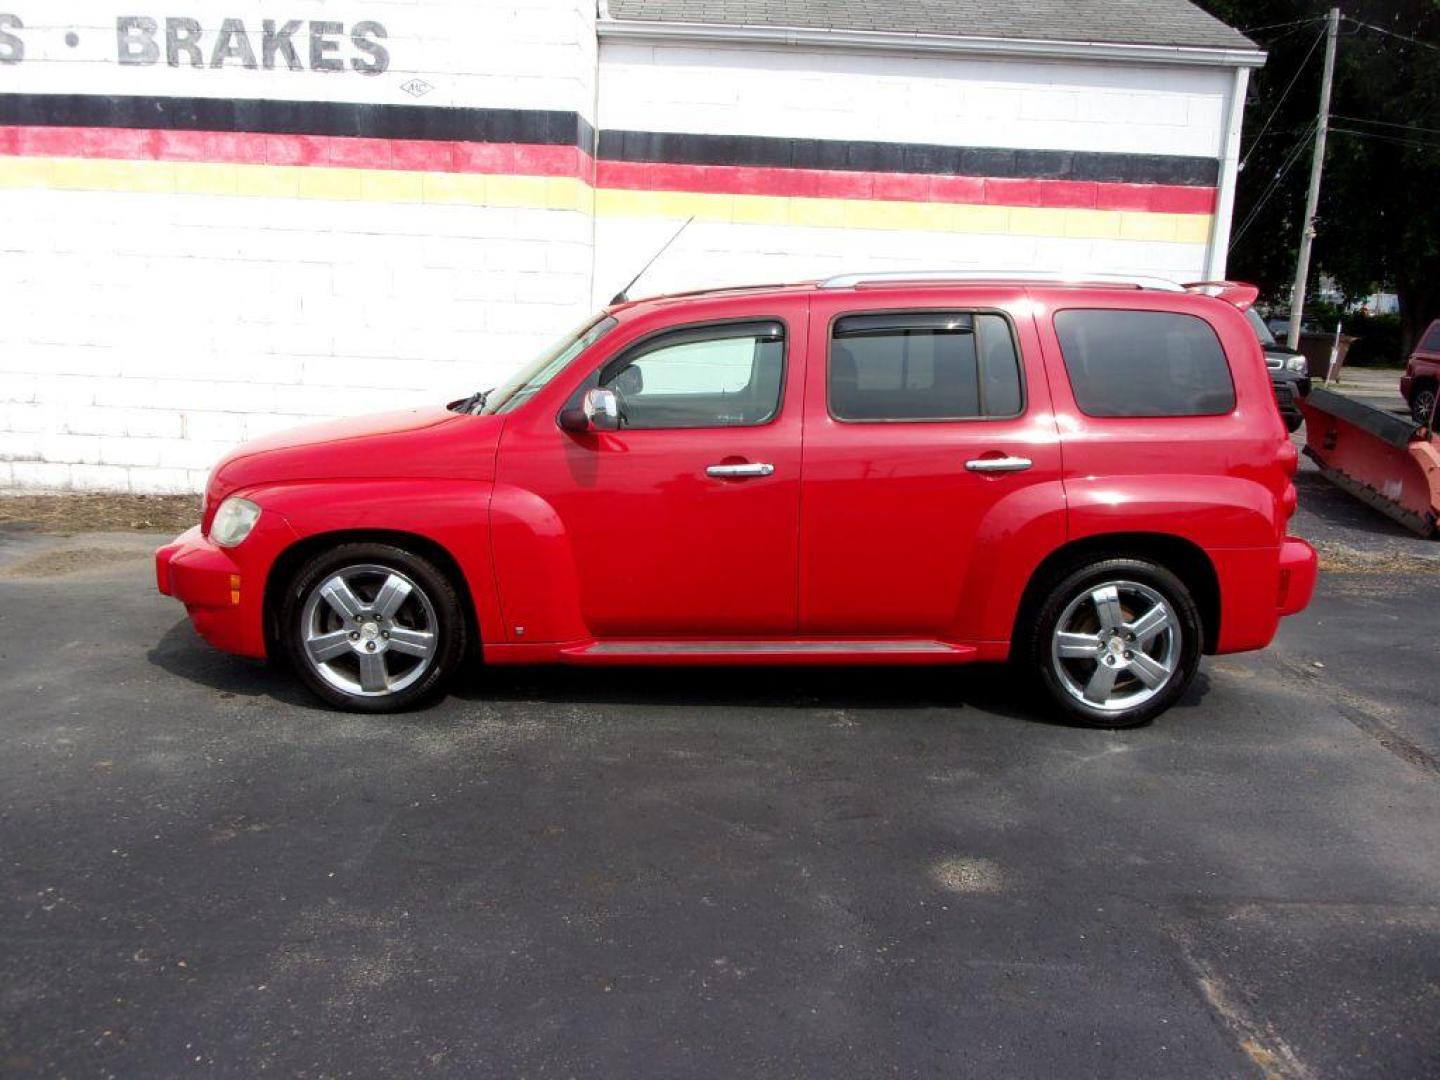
850, 281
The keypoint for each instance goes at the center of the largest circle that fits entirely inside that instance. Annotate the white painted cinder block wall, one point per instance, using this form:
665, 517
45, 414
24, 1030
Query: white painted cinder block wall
143, 335
807, 93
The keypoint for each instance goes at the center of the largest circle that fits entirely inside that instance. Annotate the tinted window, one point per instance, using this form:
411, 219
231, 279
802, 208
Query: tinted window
719, 376
1144, 363
1431, 341
923, 366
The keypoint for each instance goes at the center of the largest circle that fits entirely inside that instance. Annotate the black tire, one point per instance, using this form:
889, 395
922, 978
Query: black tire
1143, 580
1292, 423
1422, 403
432, 599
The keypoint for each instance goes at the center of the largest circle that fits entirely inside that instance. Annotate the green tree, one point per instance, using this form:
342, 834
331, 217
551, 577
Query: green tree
1379, 219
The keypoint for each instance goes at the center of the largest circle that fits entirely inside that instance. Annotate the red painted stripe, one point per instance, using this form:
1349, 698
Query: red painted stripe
255, 149
530, 160
906, 187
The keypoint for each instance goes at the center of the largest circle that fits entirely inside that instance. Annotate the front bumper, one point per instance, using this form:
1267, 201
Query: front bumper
1289, 389
223, 589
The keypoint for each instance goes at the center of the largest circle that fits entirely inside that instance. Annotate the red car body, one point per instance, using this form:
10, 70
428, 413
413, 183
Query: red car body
1421, 380
869, 542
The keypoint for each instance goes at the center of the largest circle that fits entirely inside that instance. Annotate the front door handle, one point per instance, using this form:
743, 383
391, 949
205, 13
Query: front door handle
733, 472
999, 464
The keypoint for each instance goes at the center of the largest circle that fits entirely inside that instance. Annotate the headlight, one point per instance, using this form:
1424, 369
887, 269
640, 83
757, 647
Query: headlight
233, 521
1297, 364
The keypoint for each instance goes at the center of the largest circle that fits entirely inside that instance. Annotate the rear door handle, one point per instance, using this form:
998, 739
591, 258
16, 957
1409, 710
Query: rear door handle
998, 464
734, 472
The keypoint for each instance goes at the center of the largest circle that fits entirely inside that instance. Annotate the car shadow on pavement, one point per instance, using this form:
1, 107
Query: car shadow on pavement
181, 651
992, 689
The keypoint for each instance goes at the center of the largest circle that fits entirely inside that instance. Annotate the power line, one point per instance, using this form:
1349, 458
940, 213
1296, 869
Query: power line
1282, 25
1291, 86
1392, 33
1384, 123
1418, 144
1274, 185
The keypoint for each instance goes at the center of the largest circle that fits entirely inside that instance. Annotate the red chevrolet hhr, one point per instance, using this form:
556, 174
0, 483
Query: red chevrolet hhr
1089, 479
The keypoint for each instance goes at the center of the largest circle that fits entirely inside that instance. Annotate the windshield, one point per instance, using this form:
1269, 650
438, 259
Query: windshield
1261, 330
526, 382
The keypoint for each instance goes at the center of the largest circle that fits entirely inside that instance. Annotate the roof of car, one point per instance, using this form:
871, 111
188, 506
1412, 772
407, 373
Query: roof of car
1237, 294
1131, 22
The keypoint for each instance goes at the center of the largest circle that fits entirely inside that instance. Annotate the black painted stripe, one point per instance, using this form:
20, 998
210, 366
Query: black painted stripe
846, 156
272, 117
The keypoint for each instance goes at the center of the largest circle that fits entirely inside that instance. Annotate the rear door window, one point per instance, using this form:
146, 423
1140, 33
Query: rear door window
1144, 363
931, 365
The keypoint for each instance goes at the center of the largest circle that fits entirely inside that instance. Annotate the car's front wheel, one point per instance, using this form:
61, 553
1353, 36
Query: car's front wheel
1422, 404
1116, 643
373, 627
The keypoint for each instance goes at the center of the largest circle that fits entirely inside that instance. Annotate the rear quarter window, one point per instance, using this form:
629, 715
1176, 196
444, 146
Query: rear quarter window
1144, 363
1430, 343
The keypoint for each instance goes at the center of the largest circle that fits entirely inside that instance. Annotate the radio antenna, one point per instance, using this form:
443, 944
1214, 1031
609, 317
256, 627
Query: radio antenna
624, 294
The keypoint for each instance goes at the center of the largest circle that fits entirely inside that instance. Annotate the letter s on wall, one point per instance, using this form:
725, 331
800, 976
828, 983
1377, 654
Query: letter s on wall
12, 47
360, 36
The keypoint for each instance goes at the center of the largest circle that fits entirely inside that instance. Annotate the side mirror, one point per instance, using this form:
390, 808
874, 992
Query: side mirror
629, 382
599, 411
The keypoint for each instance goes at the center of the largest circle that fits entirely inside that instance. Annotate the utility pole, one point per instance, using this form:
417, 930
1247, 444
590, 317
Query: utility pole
1312, 200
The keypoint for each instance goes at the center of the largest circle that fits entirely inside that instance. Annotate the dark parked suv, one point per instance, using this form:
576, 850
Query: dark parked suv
1289, 372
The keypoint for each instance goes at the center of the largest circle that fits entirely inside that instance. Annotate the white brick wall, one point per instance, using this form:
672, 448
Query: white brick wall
806, 93
145, 335
151, 359
499, 53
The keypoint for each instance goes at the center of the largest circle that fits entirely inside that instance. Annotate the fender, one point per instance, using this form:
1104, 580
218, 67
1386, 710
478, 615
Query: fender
1232, 519
1210, 511
453, 514
1019, 532
535, 572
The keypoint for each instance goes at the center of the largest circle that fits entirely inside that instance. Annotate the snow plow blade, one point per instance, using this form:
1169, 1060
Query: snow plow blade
1382, 459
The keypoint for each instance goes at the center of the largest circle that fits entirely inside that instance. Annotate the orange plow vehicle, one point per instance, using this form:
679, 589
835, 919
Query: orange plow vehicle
1383, 459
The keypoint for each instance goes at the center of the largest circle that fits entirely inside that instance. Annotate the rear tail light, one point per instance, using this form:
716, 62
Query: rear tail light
1288, 458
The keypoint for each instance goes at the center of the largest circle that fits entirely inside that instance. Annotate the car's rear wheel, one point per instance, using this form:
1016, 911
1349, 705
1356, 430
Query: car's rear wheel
373, 627
1117, 642
1423, 403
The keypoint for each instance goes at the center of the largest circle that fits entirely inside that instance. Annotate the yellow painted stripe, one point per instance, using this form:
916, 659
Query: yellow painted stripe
568, 193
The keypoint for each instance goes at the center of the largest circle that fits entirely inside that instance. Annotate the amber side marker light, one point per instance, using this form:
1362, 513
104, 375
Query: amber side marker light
235, 589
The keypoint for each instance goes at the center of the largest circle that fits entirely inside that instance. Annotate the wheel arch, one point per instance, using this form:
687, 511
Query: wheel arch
291, 559
1183, 558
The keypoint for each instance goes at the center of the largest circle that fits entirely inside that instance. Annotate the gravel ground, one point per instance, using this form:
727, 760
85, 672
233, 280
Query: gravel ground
80, 513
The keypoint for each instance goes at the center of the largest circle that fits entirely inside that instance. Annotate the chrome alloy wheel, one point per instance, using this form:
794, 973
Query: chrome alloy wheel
1116, 645
369, 630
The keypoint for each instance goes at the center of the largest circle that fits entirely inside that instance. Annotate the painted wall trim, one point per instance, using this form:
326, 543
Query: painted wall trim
1218, 255
857, 155
280, 116
1095, 52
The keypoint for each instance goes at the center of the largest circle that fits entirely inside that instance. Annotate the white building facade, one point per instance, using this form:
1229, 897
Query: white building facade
214, 225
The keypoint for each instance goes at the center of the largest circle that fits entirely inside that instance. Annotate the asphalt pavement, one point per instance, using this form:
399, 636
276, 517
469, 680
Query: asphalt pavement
759, 873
